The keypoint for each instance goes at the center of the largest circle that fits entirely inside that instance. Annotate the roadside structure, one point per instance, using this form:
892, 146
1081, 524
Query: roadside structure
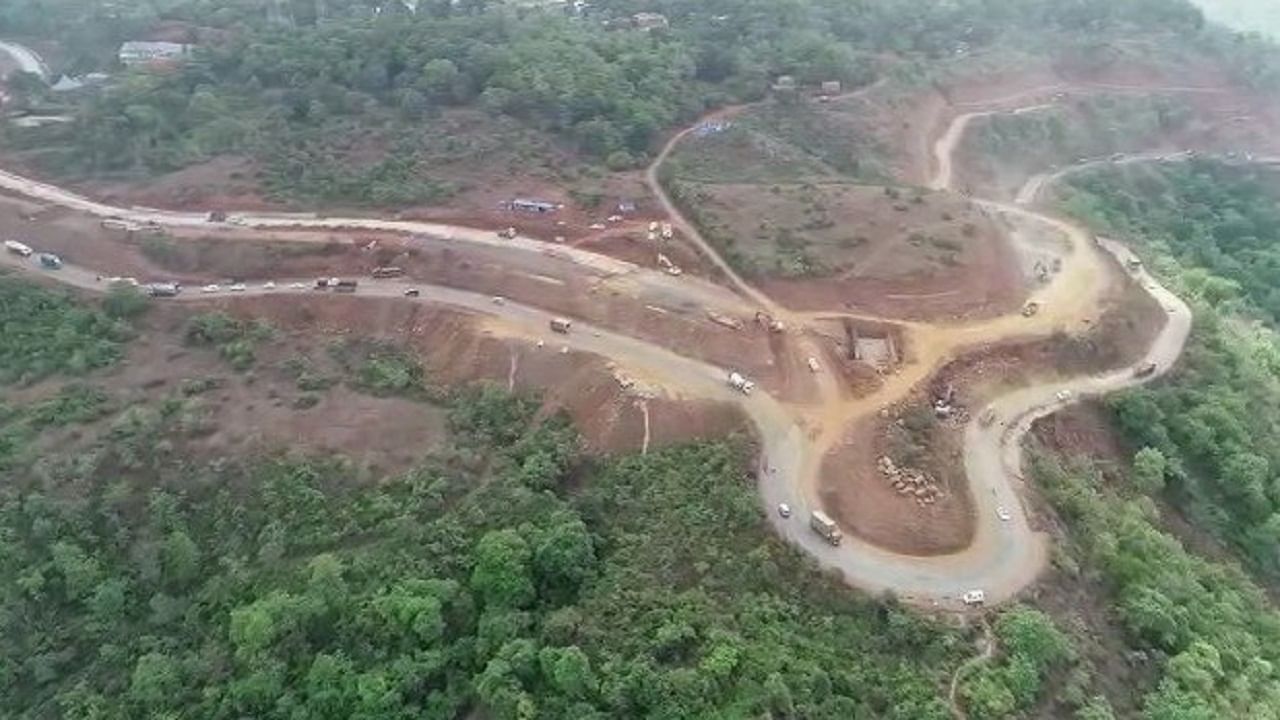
144, 52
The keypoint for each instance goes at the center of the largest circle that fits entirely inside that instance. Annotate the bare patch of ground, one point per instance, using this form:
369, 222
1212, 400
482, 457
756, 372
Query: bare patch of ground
865, 504
898, 253
558, 285
861, 498
454, 352
266, 409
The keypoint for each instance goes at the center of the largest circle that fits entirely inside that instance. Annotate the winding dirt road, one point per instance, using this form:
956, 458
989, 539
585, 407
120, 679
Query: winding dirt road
26, 58
1004, 557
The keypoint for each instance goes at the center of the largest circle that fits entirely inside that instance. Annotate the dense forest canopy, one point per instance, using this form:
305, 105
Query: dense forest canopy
293, 84
1215, 430
145, 577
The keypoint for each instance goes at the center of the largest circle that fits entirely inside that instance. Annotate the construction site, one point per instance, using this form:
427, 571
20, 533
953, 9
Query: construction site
885, 345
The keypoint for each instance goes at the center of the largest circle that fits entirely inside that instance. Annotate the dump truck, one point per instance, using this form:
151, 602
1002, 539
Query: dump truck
115, 223
17, 248
561, 325
345, 286
217, 216
389, 271
740, 383
825, 527
161, 289
50, 261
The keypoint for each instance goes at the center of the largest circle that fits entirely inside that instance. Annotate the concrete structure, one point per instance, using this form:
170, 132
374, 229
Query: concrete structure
137, 52
650, 21
540, 206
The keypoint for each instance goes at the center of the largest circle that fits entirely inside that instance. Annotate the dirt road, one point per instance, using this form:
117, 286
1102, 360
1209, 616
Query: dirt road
1004, 557
26, 58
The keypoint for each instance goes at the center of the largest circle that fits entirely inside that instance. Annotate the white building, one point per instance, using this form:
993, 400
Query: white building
136, 52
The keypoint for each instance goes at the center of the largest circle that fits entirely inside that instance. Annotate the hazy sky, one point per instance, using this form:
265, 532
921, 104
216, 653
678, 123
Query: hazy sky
1260, 15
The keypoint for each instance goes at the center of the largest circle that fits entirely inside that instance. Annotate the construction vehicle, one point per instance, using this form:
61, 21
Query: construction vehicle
1145, 369
973, 598
17, 248
115, 223
669, 267
814, 367
217, 216
988, 416
508, 234
1134, 264
724, 320
50, 261
1030, 309
826, 527
740, 383
383, 273
345, 286
667, 231
322, 283
161, 289
561, 325
766, 321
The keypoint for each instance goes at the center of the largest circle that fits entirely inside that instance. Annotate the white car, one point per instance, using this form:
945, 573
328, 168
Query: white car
499, 300
974, 597
269, 285
1063, 395
237, 287
1003, 513
784, 510
298, 286
211, 289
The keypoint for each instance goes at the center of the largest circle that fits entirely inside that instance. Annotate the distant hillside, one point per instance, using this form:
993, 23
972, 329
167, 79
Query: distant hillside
1257, 15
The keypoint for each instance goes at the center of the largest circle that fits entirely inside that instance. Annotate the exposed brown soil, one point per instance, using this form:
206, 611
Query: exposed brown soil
263, 410
862, 499
547, 282
453, 352
865, 504
904, 254
488, 161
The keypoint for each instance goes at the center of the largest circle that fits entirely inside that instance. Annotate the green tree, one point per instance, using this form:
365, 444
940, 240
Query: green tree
1148, 470
501, 576
180, 559
124, 301
156, 683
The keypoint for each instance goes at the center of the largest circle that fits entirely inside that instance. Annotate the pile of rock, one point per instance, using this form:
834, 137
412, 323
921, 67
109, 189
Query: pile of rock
909, 482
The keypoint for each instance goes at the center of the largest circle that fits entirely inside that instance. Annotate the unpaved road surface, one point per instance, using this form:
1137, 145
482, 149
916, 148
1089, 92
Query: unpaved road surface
1004, 557
26, 58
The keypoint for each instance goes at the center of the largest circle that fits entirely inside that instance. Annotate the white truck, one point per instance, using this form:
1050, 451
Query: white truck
825, 527
740, 383
18, 248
